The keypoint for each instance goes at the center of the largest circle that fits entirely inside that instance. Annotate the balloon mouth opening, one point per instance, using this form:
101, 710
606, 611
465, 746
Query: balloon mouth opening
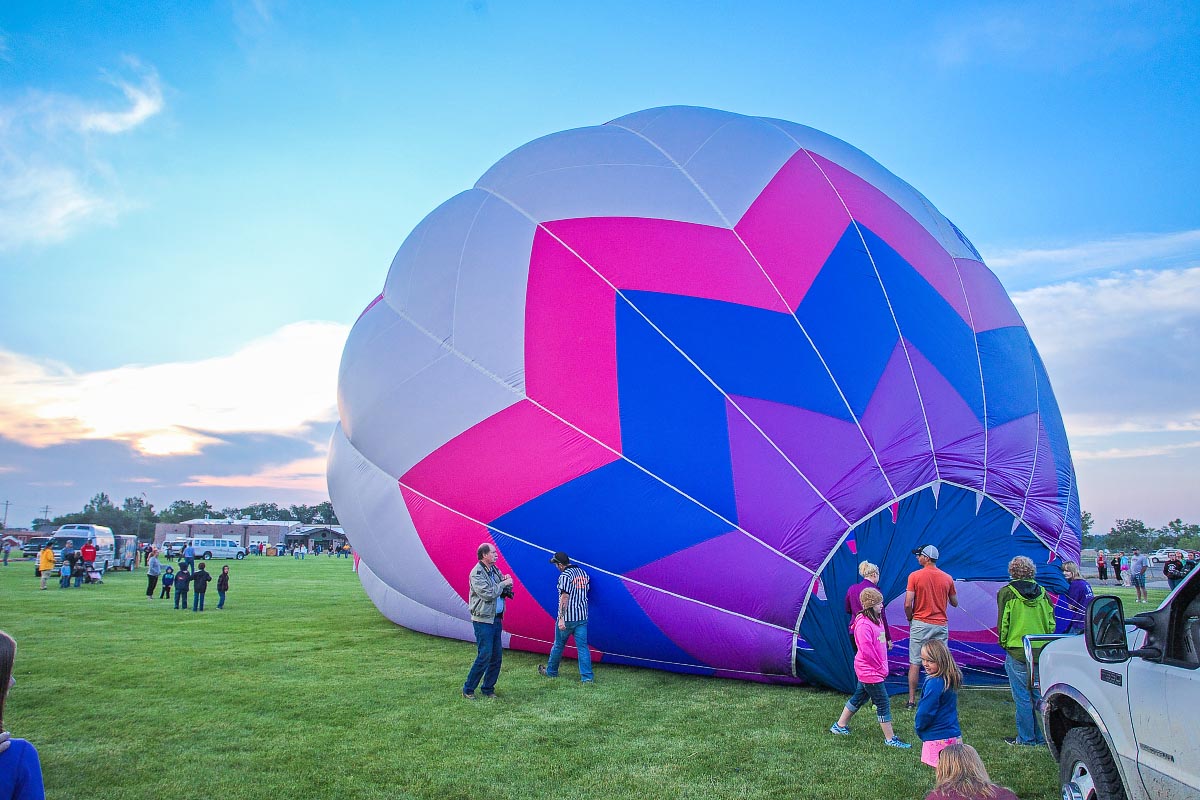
975, 538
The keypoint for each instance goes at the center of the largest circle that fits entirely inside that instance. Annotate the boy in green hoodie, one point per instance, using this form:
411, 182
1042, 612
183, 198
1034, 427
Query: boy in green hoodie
1023, 609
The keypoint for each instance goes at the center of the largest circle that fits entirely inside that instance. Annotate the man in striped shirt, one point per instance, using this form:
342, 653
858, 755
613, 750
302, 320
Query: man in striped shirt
573, 585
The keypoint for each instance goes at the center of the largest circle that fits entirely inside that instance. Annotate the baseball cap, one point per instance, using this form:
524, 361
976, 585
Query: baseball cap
561, 558
927, 550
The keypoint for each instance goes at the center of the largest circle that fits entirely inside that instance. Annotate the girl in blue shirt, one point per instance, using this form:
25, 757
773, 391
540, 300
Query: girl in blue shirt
936, 722
20, 771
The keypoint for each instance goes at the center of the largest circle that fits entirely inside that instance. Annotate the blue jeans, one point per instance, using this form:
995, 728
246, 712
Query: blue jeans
181, 596
221, 599
877, 694
487, 658
579, 631
1028, 729
198, 601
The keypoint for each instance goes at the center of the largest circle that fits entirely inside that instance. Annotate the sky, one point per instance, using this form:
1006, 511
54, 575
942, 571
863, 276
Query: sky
198, 199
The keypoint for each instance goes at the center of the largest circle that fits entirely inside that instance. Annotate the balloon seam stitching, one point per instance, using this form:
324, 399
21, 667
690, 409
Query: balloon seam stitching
597, 568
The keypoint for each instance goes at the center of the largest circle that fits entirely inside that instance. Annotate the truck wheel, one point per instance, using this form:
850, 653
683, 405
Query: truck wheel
208, 556
240, 556
1086, 769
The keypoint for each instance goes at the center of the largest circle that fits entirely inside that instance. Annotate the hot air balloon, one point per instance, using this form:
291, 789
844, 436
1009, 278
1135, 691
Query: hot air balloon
719, 360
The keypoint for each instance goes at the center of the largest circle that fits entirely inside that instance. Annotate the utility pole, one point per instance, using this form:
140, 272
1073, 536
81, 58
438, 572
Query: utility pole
6, 505
46, 513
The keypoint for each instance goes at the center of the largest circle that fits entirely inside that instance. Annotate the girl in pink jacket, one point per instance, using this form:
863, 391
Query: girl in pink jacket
871, 668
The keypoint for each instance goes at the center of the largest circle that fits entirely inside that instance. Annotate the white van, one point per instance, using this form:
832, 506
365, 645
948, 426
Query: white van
77, 536
209, 549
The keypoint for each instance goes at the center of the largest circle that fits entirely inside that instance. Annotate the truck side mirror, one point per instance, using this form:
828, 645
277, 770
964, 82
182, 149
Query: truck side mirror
1104, 631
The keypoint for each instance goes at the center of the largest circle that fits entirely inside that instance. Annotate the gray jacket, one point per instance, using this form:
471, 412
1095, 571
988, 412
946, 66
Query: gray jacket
154, 567
485, 588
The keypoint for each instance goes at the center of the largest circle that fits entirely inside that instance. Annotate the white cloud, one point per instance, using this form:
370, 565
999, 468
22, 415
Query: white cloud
45, 205
52, 179
1120, 350
171, 409
306, 474
145, 100
1148, 451
1040, 266
1040, 36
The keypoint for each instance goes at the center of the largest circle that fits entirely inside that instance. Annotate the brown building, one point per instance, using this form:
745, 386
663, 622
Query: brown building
245, 532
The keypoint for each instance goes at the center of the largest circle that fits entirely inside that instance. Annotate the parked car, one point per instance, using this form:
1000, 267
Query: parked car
34, 546
209, 549
1163, 555
1120, 707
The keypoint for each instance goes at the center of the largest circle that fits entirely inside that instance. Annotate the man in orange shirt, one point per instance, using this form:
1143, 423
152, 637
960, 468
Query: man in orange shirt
929, 592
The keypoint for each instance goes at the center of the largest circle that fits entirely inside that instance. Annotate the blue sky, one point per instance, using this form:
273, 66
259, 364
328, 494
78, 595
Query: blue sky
197, 200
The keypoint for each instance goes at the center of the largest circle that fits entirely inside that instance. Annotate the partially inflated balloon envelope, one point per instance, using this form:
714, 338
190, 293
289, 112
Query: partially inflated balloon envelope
719, 360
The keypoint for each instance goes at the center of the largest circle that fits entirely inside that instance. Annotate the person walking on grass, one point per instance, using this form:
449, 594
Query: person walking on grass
928, 594
183, 580
168, 578
153, 570
1101, 567
200, 579
20, 770
1139, 565
962, 776
1116, 565
45, 562
489, 590
1022, 609
871, 669
7, 550
222, 586
189, 557
573, 587
936, 721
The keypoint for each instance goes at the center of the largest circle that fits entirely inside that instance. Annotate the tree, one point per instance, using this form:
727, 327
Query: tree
304, 513
183, 510
267, 511
1086, 521
326, 513
1128, 534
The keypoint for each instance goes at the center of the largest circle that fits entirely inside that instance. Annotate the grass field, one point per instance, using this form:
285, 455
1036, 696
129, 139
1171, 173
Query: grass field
301, 689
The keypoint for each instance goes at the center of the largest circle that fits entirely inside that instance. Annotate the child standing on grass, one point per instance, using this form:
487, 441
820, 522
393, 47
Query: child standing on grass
168, 578
222, 586
871, 669
936, 722
183, 579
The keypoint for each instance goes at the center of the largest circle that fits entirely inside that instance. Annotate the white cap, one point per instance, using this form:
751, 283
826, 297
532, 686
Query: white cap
928, 550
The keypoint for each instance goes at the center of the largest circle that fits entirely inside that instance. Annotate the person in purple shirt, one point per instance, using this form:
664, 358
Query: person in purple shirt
870, 580
20, 770
1078, 596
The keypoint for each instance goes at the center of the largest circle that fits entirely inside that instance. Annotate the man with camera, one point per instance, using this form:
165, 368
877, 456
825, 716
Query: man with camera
489, 590
573, 586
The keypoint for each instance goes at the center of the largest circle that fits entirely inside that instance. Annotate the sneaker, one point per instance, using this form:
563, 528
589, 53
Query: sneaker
896, 742
839, 730
910, 705
543, 673
469, 695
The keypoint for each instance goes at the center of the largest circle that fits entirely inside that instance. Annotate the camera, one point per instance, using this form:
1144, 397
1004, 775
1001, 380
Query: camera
507, 592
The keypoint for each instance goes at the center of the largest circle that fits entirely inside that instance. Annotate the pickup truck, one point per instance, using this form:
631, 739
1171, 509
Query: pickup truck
1121, 703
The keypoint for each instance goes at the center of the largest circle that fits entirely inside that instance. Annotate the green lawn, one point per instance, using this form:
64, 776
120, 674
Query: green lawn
301, 689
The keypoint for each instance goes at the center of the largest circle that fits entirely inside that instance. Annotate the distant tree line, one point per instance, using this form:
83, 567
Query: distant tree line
137, 516
1130, 533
